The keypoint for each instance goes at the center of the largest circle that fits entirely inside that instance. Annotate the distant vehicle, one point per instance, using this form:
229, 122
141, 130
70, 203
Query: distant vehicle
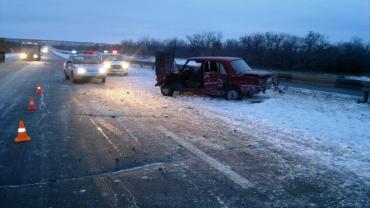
83, 66
3, 48
230, 77
2, 56
115, 64
30, 51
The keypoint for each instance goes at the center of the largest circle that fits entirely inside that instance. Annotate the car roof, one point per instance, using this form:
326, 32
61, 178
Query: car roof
83, 54
213, 58
111, 54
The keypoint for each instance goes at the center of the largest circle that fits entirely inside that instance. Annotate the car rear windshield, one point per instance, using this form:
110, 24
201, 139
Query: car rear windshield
86, 60
240, 66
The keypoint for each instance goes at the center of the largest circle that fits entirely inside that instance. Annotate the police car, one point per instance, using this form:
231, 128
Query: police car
115, 63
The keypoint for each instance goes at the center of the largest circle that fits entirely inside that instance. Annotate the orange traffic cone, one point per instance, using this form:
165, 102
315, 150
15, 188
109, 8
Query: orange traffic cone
32, 105
39, 89
22, 133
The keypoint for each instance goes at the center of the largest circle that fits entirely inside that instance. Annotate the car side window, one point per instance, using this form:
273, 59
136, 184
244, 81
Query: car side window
209, 66
213, 66
221, 68
205, 66
192, 65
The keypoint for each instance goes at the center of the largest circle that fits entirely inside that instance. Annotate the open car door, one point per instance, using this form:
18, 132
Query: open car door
164, 64
214, 76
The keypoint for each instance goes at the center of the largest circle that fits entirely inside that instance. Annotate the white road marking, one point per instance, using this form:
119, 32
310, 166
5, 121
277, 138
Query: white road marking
43, 105
6, 111
226, 170
107, 138
222, 203
129, 132
130, 193
84, 177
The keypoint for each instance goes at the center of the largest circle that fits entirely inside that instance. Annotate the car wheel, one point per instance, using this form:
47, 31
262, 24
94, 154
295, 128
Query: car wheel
66, 76
73, 78
233, 94
103, 80
166, 90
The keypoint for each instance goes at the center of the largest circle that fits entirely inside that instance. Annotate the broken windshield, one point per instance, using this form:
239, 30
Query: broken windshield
240, 66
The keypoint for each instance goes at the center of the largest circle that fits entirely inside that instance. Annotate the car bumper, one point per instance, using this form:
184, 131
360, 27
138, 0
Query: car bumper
251, 89
31, 58
255, 89
89, 75
117, 71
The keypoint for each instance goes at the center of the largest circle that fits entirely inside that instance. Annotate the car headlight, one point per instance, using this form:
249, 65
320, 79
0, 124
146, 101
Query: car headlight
81, 71
106, 65
102, 70
44, 50
35, 56
125, 65
23, 55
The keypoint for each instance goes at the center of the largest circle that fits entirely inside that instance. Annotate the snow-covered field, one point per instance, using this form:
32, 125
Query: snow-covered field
360, 78
327, 127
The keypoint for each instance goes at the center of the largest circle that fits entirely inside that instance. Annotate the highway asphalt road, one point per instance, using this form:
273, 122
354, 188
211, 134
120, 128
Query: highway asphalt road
117, 145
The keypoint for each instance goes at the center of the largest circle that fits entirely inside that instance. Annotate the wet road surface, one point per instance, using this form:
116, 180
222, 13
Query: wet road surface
120, 145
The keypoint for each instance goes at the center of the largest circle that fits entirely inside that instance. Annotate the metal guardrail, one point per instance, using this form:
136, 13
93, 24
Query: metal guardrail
338, 82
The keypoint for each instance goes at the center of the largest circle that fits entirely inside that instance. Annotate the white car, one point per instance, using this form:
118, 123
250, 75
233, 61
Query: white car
84, 66
115, 64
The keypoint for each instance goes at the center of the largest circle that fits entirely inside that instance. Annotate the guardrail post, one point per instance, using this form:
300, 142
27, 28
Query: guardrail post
366, 96
2, 56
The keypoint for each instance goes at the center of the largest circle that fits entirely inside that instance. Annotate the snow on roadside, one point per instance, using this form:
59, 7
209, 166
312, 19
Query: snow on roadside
11, 56
327, 127
62, 55
360, 78
152, 58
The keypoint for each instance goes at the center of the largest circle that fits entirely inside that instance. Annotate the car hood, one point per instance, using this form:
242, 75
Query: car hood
89, 67
259, 73
114, 62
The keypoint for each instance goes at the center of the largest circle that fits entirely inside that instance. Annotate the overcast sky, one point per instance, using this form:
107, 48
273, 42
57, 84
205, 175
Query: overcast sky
114, 20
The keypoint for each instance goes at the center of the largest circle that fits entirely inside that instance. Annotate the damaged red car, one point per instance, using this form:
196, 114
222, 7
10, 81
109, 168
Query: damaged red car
229, 77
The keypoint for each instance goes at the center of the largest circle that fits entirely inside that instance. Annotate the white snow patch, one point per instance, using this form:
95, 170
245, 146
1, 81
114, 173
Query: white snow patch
360, 78
328, 127
152, 58
12, 56
60, 54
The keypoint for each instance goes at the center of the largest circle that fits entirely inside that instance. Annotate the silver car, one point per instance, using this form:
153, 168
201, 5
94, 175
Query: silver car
115, 64
83, 66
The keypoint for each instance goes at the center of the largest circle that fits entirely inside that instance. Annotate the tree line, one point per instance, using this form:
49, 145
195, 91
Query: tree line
313, 52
